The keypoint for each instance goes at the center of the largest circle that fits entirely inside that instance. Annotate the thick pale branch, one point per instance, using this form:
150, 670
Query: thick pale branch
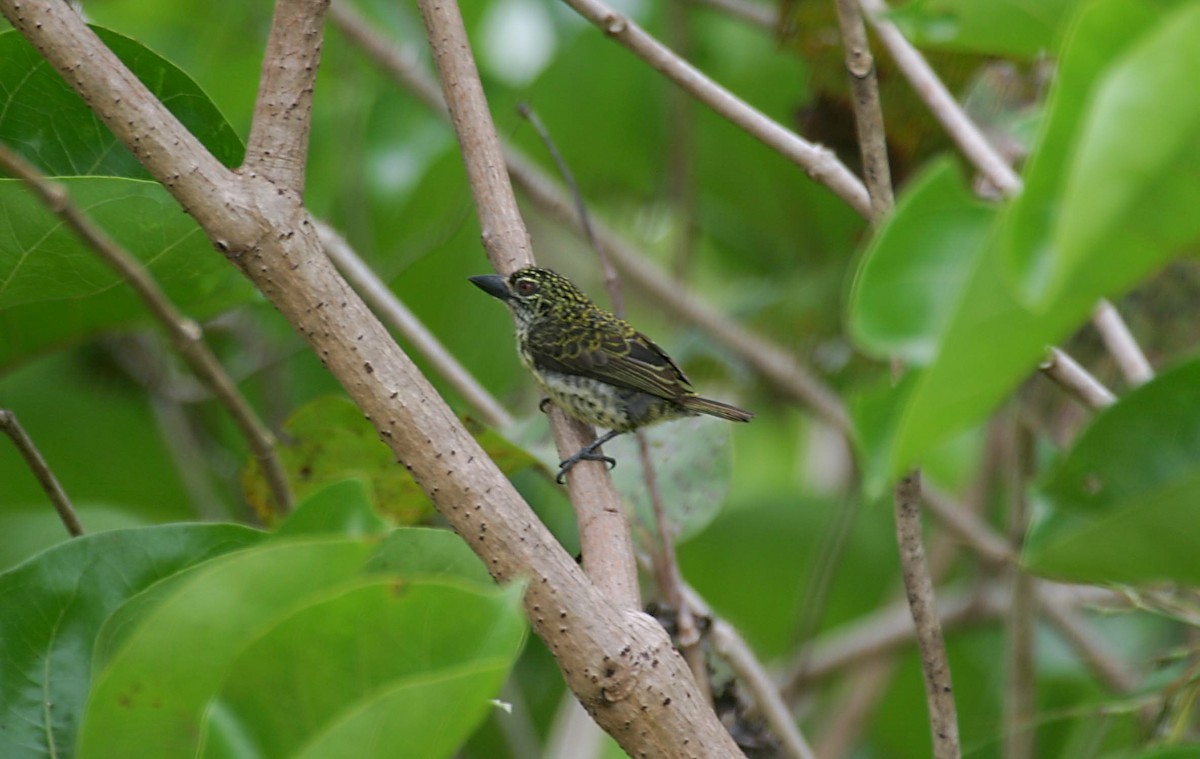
396, 315
278, 144
817, 161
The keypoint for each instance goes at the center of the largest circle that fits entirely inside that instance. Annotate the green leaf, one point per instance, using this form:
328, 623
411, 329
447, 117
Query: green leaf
373, 668
161, 668
1101, 33
428, 552
43, 118
1018, 28
329, 440
993, 341
53, 287
52, 606
912, 274
342, 507
693, 462
1131, 190
1124, 504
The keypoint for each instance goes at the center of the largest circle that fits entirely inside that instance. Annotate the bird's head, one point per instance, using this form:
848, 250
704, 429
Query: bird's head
533, 293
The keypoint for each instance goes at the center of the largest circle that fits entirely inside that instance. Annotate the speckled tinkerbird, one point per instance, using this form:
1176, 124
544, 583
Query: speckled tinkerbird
593, 364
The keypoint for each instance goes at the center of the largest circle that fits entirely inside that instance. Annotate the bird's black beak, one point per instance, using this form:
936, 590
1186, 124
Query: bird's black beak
493, 285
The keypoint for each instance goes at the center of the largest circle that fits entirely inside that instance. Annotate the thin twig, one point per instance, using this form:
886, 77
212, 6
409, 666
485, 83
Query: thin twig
398, 316
1121, 344
185, 334
868, 113
669, 578
41, 470
1020, 691
818, 162
680, 174
1066, 371
918, 581
943, 717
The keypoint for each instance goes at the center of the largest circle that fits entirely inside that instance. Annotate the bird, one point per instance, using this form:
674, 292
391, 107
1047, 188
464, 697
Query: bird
593, 364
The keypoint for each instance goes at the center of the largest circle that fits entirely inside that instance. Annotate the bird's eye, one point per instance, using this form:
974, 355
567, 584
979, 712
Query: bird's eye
526, 287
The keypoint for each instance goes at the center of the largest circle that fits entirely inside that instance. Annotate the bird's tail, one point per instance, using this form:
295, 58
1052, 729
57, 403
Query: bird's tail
716, 408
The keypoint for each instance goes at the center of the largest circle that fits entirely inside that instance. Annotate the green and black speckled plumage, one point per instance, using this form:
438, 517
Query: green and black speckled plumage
592, 364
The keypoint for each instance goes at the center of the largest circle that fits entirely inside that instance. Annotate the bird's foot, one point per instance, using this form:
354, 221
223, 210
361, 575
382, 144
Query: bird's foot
587, 454
545, 402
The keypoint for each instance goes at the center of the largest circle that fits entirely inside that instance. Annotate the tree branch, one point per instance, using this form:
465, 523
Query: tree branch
607, 546
41, 470
943, 718
278, 144
1120, 343
941, 102
868, 113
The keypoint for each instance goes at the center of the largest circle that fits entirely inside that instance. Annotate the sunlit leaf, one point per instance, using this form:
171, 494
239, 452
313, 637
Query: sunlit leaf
52, 606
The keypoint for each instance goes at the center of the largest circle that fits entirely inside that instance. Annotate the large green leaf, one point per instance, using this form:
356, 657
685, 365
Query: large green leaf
392, 668
188, 658
1124, 504
912, 274
43, 118
1101, 34
51, 608
1130, 195
159, 670
53, 287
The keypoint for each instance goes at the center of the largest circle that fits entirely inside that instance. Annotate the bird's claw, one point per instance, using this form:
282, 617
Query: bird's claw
565, 466
543, 404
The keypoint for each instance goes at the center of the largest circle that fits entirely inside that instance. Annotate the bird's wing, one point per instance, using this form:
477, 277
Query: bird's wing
624, 358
